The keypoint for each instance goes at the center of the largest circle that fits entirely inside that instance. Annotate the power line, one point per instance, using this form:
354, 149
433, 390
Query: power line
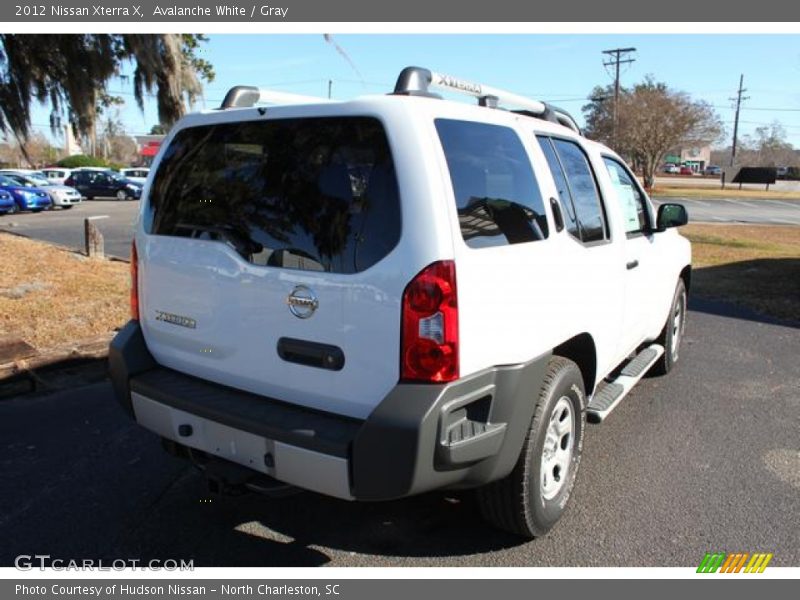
620, 56
759, 108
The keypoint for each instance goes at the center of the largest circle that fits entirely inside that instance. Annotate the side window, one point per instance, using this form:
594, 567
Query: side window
589, 223
585, 197
629, 196
571, 222
496, 192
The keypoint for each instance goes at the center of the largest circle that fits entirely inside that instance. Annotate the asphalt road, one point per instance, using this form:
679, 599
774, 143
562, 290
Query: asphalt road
772, 212
65, 227
704, 459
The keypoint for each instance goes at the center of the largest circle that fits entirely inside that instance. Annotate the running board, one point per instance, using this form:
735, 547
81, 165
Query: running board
609, 394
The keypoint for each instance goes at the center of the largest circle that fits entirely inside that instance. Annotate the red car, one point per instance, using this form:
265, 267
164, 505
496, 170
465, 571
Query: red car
686, 170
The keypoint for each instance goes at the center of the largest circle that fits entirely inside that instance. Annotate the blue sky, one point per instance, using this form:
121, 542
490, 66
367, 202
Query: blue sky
558, 68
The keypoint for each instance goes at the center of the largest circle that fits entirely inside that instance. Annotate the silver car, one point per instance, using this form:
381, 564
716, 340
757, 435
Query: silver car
61, 195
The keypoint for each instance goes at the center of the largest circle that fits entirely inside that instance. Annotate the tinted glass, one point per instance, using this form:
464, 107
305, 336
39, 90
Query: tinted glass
496, 193
570, 221
629, 196
583, 189
313, 194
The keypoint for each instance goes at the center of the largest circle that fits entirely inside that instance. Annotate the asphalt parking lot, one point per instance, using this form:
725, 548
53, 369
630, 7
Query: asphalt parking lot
65, 227
704, 459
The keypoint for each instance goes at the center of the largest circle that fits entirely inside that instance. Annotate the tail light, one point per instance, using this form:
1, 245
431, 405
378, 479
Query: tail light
134, 283
429, 345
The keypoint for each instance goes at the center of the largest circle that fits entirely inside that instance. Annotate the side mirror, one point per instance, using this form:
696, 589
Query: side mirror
671, 215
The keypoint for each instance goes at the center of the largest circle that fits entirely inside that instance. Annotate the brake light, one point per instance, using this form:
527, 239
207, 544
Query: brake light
429, 344
134, 283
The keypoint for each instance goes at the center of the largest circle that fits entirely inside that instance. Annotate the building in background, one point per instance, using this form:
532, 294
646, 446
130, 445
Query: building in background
147, 147
695, 157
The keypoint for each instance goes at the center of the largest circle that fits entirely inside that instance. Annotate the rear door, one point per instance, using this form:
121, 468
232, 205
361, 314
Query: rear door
260, 270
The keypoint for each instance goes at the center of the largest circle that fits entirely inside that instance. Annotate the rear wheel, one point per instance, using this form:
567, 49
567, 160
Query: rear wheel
532, 498
122, 195
672, 334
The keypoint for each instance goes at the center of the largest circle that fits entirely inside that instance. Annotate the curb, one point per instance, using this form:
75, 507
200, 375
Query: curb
55, 368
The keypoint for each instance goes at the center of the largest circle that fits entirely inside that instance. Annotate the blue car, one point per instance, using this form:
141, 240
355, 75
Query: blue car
25, 198
7, 203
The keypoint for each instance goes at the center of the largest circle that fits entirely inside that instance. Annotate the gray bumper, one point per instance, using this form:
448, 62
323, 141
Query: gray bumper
420, 437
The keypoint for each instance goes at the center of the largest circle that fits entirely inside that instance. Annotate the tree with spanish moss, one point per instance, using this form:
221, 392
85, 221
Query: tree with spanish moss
71, 72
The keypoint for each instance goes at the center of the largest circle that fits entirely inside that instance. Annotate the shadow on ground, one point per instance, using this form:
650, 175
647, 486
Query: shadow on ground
761, 290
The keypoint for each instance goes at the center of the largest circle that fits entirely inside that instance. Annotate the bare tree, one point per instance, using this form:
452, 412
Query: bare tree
32, 153
767, 147
653, 119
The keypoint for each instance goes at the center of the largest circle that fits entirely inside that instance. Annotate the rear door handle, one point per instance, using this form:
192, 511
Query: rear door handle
632, 265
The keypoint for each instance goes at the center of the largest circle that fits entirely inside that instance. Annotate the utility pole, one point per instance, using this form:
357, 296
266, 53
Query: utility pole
619, 56
738, 100
330, 86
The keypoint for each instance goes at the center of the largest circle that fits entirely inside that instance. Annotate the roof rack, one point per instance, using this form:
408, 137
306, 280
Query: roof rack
242, 96
417, 81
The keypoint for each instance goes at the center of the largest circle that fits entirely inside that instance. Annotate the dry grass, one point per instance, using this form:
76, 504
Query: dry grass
732, 191
51, 296
757, 266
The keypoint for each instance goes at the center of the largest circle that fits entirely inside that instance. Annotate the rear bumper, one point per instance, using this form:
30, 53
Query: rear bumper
419, 438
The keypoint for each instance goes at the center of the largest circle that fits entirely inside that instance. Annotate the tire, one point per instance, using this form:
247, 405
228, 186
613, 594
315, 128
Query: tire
66, 207
530, 500
13, 210
122, 195
672, 334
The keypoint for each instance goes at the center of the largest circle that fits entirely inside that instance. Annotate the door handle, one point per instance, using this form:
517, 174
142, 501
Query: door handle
632, 265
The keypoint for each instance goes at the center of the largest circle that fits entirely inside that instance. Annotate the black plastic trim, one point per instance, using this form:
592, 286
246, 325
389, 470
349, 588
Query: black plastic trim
128, 356
311, 354
395, 452
273, 419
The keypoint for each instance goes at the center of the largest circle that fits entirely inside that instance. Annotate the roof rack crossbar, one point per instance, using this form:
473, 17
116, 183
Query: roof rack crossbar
418, 81
242, 96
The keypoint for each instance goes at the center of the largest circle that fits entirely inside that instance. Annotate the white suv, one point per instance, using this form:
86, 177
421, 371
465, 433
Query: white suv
380, 297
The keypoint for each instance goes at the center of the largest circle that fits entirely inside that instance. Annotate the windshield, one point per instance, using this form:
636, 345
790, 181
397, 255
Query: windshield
6, 180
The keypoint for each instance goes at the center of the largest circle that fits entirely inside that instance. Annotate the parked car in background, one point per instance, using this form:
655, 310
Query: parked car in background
686, 170
56, 175
671, 169
137, 174
25, 198
104, 184
6, 203
61, 195
713, 170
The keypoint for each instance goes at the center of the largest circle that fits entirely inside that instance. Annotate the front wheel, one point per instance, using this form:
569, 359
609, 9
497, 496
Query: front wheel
672, 334
531, 499
122, 195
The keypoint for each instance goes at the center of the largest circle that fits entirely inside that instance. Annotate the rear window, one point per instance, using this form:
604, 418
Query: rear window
313, 194
496, 193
